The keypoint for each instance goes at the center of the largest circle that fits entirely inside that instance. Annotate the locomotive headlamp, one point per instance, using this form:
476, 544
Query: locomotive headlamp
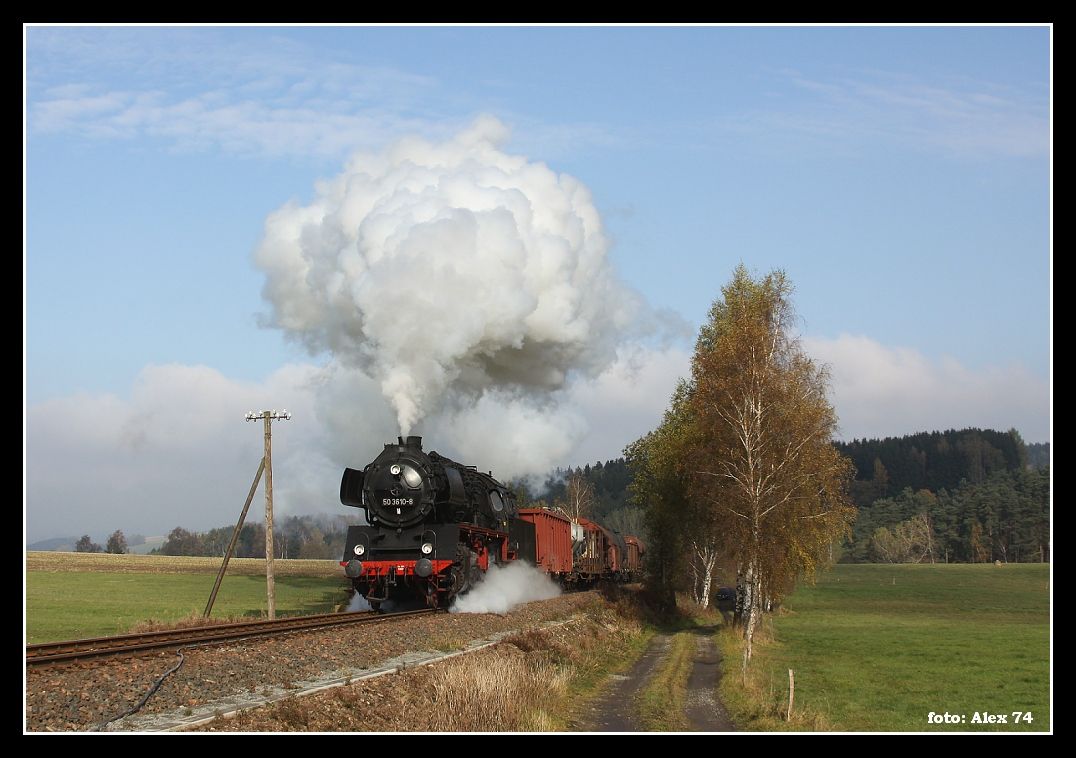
360, 549
427, 548
395, 469
412, 478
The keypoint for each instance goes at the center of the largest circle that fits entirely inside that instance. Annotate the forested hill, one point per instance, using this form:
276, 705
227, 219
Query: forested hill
931, 460
979, 494
1038, 454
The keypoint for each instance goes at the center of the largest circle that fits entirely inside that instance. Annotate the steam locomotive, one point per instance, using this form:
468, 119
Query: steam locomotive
435, 526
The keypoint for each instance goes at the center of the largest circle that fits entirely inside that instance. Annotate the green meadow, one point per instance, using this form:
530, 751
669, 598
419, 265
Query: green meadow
93, 603
881, 647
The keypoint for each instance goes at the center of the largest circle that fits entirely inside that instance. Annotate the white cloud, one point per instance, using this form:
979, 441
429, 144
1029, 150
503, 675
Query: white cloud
177, 451
882, 391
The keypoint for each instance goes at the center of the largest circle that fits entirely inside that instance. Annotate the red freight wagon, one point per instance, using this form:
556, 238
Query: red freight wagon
635, 554
605, 551
594, 560
553, 539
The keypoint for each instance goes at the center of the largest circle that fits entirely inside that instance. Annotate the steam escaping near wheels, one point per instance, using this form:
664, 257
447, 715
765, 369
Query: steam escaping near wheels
358, 603
504, 588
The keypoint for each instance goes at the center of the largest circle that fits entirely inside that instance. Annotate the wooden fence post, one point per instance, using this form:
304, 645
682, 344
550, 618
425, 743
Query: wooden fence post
791, 694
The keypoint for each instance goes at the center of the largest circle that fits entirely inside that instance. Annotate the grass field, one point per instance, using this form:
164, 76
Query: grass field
75, 595
880, 647
174, 564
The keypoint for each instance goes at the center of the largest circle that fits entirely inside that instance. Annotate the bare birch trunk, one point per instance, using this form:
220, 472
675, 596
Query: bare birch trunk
695, 580
703, 558
706, 589
752, 609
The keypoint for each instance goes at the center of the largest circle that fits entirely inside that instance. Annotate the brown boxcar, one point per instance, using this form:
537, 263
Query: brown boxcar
553, 540
636, 549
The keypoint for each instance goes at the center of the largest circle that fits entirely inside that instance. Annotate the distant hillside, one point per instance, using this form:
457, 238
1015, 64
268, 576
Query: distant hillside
147, 544
56, 543
135, 544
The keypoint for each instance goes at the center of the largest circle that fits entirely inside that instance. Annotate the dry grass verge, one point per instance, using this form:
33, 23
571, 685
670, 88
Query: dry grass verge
507, 691
526, 683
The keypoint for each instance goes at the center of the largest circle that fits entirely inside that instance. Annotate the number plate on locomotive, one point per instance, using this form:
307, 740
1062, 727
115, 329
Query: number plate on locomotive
394, 501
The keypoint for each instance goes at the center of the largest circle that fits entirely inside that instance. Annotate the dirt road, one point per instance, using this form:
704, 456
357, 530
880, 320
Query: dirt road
616, 711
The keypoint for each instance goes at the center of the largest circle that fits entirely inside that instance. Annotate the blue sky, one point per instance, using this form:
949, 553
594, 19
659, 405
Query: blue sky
901, 176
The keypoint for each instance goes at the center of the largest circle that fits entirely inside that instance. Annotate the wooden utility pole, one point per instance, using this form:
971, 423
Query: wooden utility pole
270, 585
270, 581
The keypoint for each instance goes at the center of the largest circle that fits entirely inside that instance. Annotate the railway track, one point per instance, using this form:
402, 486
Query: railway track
97, 647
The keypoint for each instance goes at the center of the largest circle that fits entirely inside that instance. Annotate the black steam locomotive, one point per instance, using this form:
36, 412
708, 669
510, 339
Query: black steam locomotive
433, 527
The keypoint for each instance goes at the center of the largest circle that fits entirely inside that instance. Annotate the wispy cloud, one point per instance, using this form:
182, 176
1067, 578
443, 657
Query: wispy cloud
882, 391
241, 126
195, 89
960, 117
259, 93
197, 59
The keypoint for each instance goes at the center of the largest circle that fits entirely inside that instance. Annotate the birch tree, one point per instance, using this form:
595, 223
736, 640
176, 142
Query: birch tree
765, 464
578, 497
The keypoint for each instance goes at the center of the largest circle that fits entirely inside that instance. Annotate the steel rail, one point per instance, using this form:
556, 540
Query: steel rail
70, 650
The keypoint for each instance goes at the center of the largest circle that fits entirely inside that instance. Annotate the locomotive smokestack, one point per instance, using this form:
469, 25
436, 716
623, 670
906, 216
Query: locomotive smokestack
415, 442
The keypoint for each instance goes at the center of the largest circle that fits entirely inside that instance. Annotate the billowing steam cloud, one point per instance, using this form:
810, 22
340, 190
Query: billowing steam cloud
464, 281
505, 587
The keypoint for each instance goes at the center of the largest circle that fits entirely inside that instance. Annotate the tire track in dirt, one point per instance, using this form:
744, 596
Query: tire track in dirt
703, 709
615, 710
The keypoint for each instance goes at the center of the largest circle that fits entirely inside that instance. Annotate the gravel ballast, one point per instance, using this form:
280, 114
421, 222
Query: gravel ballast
82, 696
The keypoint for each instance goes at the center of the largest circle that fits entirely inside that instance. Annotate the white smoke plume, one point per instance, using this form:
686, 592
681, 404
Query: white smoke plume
470, 285
505, 587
